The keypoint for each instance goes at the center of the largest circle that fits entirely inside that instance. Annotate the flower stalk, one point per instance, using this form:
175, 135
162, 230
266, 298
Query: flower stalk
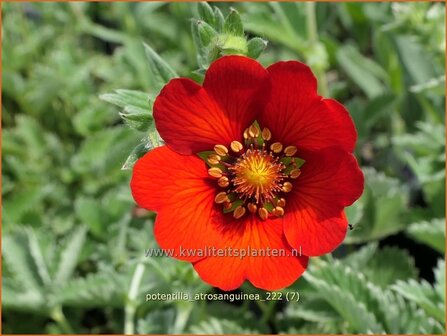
131, 304
314, 45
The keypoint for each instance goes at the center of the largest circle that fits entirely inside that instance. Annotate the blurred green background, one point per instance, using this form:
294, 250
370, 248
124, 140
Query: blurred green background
72, 239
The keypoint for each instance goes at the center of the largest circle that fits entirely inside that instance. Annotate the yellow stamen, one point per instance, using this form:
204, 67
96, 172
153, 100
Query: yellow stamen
257, 175
266, 134
287, 187
227, 205
263, 213
253, 131
252, 207
281, 203
278, 211
276, 147
221, 197
290, 150
246, 134
215, 172
214, 159
221, 150
236, 146
239, 212
223, 182
295, 173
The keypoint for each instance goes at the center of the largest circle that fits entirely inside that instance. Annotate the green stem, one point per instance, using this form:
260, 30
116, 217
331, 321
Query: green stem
58, 316
268, 310
312, 34
312, 31
131, 305
183, 312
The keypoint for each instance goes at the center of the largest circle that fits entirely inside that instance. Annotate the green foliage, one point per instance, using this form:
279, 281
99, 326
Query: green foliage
381, 209
214, 326
73, 241
380, 266
431, 233
215, 36
431, 299
37, 265
355, 303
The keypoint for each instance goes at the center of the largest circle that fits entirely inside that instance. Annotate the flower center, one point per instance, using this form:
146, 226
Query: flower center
255, 175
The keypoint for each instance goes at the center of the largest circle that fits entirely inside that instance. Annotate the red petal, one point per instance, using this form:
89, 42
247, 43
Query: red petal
296, 115
185, 227
162, 173
314, 219
192, 119
267, 272
178, 187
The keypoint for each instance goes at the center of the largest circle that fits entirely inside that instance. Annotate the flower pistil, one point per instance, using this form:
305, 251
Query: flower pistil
255, 175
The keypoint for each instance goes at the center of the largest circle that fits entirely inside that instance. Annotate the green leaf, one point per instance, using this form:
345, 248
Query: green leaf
384, 202
157, 322
363, 306
415, 59
213, 326
220, 19
104, 289
91, 213
313, 310
233, 24
20, 261
206, 33
424, 296
431, 233
161, 72
136, 153
137, 118
256, 46
367, 74
69, 256
348, 294
206, 13
124, 98
389, 265
440, 279
137, 107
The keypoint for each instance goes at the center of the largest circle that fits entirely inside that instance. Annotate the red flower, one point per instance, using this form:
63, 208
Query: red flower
277, 177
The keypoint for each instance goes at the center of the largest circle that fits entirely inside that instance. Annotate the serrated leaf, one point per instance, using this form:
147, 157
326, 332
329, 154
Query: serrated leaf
70, 254
214, 326
157, 322
384, 203
363, 305
389, 265
431, 233
17, 256
424, 296
22, 299
351, 305
161, 72
440, 279
95, 290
